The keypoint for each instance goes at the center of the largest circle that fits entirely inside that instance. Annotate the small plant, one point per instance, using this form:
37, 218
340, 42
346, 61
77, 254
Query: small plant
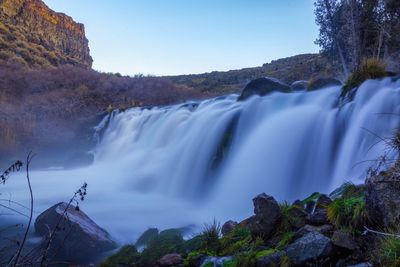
210, 237
369, 69
388, 251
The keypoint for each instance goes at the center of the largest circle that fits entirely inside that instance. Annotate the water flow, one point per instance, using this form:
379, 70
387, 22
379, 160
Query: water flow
189, 163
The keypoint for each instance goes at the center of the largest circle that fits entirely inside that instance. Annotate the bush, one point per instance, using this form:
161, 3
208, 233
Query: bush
209, 237
369, 69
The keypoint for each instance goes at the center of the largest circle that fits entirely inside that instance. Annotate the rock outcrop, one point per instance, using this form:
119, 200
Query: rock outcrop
76, 237
263, 86
31, 34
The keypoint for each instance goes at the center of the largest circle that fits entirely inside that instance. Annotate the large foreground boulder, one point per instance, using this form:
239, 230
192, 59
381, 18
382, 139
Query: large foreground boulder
383, 198
263, 86
76, 238
267, 215
309, 249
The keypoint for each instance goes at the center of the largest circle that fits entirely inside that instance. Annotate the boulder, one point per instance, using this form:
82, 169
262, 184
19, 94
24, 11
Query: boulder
77, 238
310, 248
267, 215
323, 229
318, 217
146, 237
323, 83
169, 260
296, 217
263, 86
344, 240
273, 259
383, 198
299, 85
323, 201
228, 226
362, 264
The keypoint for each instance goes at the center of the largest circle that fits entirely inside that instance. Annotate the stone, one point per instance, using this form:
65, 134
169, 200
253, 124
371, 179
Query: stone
321, 83
216, 261
323, 201
323, 229
299, 85
172, 259
267, 215
78, 238
228, 226
297, 217
263, 86
362, 264
382, 198
309, 248
146, 237
344, 240
319, 217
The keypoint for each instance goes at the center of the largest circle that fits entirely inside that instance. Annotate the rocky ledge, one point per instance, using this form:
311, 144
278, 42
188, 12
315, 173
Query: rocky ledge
31, 34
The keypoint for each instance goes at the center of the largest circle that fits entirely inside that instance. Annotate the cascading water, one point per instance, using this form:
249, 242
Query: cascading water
182, 164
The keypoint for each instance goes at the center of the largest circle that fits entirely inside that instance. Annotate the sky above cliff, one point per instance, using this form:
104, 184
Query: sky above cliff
167, 37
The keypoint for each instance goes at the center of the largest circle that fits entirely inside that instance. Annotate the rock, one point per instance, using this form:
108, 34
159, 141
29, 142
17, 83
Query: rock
319, 217
323, 83
78, 239
146, 237
344, 240
263, 86
299, 85
228, 226
310, 248
323, 229
168, 260
297, 217
323, 201
273, 259
216, 261
267, 215
383, 198
363, 264
57, 39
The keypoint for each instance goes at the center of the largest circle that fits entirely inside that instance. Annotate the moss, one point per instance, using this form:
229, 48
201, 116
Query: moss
314, 197
266, 252
369, 69
127, 256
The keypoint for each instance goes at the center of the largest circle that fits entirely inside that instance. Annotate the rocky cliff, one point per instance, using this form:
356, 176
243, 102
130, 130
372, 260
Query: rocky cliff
31, 34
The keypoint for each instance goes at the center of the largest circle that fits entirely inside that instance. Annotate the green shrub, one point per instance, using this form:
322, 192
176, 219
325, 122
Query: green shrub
369, 69
349, 212
126, 256
210, 237
388, 251
238, 240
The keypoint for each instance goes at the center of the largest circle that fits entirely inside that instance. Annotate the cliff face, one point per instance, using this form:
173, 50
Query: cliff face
34, 35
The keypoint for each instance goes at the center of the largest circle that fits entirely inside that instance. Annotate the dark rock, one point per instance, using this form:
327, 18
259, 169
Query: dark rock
168, 260
267, 215
246, 222
78, 238
383, 198
297, 217
323, 201
319, 217
363, 264
263, 86
310, 248
299, 85
344, 240
323, 83
298, 203
146, 237
323, 229
228, 226
273, 259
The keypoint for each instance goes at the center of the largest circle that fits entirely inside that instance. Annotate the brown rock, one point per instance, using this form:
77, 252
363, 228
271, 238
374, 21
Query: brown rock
170, 260
228, 226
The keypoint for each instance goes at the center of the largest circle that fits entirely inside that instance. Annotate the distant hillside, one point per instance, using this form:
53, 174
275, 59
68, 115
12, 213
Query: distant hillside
33, 35
300, 67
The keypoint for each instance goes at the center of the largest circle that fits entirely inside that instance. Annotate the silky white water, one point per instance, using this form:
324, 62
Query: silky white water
186, 164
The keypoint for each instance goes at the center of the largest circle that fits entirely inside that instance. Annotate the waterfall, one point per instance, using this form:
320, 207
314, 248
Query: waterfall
189, 163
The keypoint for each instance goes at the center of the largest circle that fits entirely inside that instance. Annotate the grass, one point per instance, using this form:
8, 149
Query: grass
388, 251
369, 69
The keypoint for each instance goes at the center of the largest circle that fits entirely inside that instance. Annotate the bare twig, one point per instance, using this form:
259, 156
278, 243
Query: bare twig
28, 161
367, 230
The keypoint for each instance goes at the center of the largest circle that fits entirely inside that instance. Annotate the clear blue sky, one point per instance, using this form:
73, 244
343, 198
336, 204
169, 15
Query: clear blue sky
165, 37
